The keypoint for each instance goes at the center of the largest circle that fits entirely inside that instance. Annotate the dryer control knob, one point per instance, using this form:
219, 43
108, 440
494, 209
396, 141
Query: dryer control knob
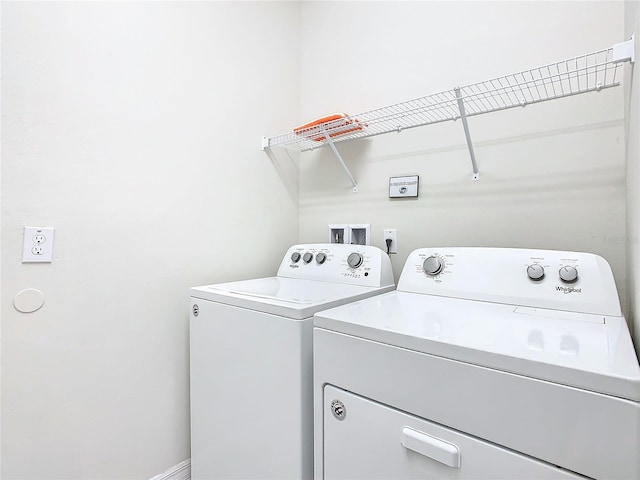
295, 257
568, 274
320, 258
433, 265
354, 260
307, 257
535, 272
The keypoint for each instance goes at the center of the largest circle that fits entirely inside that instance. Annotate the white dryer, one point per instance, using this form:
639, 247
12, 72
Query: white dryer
251, 360
486, 364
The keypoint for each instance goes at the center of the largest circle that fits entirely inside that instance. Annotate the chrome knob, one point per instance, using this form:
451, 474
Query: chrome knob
320, 258
307, 257
354, 260
433, 265
535, 272
568, 274
295, 257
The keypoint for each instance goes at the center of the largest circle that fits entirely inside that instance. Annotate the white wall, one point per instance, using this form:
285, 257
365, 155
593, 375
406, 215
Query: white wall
632, 116
133, 129
551, 175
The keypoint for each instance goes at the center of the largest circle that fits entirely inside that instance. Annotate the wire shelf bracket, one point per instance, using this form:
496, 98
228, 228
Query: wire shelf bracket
339, 157
465, 124
591, 72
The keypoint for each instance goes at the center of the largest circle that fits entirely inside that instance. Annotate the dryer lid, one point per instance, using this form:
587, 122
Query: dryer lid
592, 352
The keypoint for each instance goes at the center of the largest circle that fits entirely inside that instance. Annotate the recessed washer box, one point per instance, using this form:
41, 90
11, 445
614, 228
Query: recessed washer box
339, 233
400, 187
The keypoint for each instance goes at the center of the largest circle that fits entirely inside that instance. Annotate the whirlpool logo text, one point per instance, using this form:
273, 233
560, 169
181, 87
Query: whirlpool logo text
566, 290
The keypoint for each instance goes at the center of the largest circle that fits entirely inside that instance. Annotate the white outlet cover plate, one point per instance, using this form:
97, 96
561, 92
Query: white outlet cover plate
391, 233
34, 249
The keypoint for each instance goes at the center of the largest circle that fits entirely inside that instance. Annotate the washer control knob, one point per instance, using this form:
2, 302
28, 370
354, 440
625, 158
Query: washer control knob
307, 257
535, 272
433, 265
295, 257
354, 260
568, 274
320, 258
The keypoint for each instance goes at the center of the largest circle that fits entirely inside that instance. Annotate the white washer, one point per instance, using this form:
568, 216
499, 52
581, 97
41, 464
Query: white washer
251, 360
484, 363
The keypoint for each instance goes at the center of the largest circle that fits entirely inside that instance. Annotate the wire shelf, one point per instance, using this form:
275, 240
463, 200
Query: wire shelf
586, 73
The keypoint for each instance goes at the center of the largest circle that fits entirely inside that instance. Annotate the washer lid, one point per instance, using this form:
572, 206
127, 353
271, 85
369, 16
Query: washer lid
592, 352
287, 297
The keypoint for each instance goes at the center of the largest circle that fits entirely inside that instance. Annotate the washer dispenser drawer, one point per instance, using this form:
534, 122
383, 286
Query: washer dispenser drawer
367, 440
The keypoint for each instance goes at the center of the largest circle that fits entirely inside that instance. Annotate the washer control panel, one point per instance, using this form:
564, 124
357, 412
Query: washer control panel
571, 281
353, 264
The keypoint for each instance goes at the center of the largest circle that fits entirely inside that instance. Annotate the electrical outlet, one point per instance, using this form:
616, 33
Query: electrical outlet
391, 234
38, 245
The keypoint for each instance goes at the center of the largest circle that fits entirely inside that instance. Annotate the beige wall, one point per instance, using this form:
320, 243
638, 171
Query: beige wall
551, 175
133, 129
632, 115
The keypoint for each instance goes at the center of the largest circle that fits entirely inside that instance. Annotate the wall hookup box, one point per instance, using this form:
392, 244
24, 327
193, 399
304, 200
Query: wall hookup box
400, 187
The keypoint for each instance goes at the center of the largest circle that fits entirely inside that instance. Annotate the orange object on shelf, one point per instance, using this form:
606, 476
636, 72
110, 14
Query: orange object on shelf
335, 125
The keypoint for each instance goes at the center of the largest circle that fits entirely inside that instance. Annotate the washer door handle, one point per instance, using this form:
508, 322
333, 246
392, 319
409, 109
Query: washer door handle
432, 447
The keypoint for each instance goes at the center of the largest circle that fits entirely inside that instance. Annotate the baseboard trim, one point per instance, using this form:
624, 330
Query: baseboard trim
181, 471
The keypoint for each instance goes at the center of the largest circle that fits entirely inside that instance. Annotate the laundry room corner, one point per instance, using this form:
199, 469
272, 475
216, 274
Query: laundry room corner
133, 130
551, 175
632, 115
